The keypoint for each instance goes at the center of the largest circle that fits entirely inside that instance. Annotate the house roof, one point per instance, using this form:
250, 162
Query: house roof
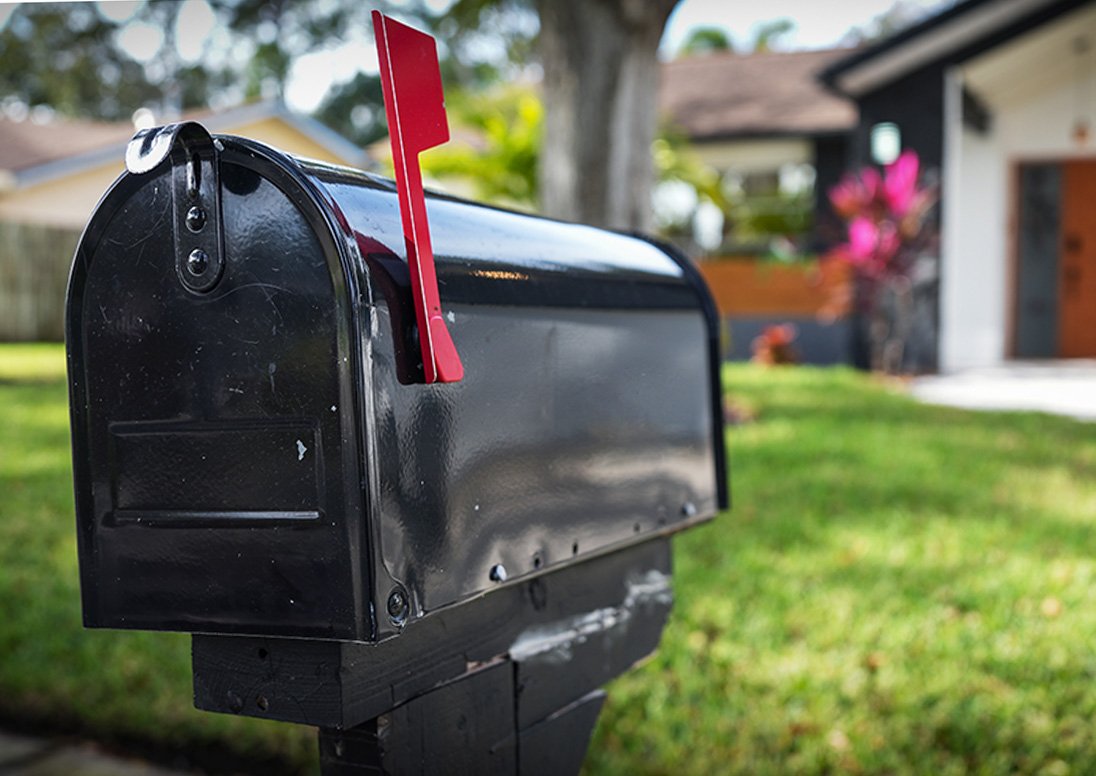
26, 144
34, 152
963, 29
722, 96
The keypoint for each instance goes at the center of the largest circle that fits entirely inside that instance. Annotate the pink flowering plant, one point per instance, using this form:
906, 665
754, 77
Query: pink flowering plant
885, 216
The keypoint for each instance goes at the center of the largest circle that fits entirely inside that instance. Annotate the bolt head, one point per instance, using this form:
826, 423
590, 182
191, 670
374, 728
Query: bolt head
397, 605
498, 573
197, 262
195, 219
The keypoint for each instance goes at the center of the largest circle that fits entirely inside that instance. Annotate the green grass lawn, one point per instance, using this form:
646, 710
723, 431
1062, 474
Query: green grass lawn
899, 589
122, 688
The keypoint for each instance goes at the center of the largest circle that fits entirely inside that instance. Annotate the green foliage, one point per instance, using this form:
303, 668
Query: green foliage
355, 109
757, 219
63, 56
482, 43
898, 589
113, 686
67, 56
268, 65
197, 82
706, 40
675, 160
676, 163
485, 42
768, 34
285, 30
497, 155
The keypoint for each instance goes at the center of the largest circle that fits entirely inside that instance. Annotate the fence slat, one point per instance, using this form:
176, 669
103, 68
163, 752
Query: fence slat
34, 268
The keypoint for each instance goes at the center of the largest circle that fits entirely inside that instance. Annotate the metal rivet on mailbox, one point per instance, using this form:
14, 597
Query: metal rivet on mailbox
498, 573
397, 605
195, 219
197, 262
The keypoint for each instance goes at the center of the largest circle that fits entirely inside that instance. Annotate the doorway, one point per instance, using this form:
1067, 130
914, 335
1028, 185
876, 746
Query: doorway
1055, 314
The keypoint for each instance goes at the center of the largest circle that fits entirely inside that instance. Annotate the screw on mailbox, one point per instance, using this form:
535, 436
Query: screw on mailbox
397, 605
197, 262
195, 219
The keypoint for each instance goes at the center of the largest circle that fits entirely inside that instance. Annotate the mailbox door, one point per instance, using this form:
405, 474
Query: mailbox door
218, 479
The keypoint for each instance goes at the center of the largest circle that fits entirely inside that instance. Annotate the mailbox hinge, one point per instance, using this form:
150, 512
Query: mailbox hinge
196, 197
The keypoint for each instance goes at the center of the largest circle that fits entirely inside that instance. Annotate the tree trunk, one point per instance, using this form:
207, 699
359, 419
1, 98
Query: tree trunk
600, 94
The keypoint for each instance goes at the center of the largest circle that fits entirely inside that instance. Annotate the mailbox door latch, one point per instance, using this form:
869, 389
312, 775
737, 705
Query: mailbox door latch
196, 196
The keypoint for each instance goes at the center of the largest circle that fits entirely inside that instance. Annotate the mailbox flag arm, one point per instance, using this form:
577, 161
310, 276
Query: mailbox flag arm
415, 108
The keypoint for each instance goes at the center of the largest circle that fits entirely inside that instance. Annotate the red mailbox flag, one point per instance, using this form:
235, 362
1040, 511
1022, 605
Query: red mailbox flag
415, 107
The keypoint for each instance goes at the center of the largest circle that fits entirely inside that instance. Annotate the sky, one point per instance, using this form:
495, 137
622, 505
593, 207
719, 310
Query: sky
819, 24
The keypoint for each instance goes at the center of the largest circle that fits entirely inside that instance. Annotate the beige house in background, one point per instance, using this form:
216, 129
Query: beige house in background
764, 122
54, 173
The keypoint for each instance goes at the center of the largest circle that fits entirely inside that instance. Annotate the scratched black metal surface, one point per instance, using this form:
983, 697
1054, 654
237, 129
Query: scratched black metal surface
585, 419
259, 459
566, 633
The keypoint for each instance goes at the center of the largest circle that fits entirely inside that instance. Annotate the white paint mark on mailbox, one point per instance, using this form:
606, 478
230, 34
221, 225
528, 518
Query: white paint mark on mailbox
553, 642
301, 450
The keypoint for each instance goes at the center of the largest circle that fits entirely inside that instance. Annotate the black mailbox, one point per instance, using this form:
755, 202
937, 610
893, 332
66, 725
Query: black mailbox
256, 453
253, 452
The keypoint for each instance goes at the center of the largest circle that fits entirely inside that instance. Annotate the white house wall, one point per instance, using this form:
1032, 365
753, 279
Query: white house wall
973, 287
976, 273
755, 155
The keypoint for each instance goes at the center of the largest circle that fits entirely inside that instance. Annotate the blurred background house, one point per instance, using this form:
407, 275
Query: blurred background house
777, 140
52, 172
998, 98
55, 171
773, 133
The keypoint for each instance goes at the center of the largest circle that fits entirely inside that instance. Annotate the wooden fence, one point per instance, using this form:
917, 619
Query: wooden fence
816, 297
34, 269
749, 287
35, 262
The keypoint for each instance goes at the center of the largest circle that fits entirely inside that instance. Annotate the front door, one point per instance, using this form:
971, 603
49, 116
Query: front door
1056, 260
1038, 244
1077, 269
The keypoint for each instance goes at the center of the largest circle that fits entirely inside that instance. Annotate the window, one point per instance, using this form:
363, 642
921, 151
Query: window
886, 142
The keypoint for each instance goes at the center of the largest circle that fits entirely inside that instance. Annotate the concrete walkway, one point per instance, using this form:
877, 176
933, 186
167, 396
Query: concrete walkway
29, 756
1058, 387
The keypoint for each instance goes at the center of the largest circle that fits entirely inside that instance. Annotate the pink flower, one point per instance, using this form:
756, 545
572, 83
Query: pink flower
871, 247
871, 183
883, 213
847, 197
855, 194
889, 243
863, 237
900, 183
